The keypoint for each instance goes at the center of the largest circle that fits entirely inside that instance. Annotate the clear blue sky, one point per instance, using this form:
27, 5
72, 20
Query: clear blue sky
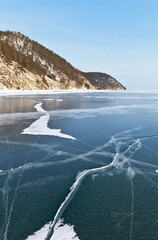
119, 37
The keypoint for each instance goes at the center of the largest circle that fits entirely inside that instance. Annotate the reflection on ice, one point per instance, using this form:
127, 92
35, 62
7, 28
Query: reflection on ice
12, 118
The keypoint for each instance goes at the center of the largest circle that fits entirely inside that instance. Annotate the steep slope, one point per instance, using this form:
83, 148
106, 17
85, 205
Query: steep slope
103, 81
13, 76
33, 57
25, 64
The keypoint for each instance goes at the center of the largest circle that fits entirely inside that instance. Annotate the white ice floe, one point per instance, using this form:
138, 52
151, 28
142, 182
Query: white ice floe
156, 171
61, 232
40, 126
39, 108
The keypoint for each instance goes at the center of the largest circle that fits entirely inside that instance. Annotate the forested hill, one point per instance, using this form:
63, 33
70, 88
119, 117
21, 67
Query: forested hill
103, 81
26, 64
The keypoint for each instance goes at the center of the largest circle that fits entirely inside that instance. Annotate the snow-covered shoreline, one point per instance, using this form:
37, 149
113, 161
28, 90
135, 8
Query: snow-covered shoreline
49, 92
40, 92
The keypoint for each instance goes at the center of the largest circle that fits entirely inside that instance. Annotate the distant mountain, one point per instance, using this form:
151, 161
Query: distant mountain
26, 64
103, 81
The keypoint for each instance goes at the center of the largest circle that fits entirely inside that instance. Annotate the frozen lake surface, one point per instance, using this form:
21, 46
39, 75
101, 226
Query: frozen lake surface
79, 165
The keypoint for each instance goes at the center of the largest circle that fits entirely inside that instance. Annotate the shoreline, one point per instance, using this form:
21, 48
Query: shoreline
49, 92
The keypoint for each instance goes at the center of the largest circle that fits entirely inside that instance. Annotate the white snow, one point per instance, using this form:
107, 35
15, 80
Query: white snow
39, 108
61, 232
40, 92
40, 126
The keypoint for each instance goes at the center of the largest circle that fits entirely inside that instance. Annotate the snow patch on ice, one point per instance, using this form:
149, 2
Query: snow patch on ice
40, 126
39, 108
61, 232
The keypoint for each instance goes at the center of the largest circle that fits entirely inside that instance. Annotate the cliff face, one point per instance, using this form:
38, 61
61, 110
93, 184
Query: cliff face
25, 64
13, 76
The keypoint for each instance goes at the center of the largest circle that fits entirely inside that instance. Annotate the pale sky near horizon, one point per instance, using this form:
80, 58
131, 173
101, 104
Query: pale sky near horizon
118, 37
